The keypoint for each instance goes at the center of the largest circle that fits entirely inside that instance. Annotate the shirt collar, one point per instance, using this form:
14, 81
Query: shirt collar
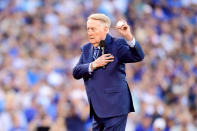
98, 47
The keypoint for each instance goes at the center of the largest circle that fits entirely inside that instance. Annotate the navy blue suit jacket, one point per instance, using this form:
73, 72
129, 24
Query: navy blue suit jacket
107, 88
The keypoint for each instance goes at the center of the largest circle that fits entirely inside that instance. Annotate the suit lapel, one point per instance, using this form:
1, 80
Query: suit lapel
108, 41
90, 53
106, 51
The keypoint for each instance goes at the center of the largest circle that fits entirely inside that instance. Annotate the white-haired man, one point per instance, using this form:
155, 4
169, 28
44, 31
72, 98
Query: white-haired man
103, 72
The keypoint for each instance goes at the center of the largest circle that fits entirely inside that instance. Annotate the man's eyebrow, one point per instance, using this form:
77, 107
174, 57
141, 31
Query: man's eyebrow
91, 27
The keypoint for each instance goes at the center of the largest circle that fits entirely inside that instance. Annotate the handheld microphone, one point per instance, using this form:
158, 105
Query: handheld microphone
102, 45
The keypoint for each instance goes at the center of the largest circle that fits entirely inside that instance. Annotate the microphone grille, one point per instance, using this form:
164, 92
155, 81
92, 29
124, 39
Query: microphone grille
102, 43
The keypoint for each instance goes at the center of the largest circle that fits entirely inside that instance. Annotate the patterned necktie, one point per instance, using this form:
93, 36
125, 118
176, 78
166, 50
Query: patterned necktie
96, 53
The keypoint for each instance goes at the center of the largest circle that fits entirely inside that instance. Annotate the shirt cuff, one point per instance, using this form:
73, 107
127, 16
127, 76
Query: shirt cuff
89, 68
131, 43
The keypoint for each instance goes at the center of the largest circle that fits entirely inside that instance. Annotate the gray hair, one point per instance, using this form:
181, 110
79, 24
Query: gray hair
102, 17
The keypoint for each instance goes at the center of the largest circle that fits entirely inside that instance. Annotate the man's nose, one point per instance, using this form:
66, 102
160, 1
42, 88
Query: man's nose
89, 33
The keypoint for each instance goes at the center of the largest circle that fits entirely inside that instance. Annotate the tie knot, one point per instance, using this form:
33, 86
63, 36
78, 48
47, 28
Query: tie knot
96, 48
96, 52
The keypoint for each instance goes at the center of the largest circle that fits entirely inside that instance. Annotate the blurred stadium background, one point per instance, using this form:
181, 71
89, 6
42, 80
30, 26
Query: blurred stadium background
40, 43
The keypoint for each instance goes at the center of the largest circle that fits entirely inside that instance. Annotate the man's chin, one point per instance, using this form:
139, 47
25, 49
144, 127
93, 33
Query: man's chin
92, 42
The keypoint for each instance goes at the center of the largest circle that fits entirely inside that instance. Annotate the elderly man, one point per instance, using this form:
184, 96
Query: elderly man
103, 72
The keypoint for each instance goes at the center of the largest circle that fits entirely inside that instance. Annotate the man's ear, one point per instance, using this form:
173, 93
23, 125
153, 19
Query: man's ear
106, 29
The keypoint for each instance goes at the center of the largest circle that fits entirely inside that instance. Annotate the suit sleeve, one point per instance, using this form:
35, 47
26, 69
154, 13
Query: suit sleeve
127, 54
81, 70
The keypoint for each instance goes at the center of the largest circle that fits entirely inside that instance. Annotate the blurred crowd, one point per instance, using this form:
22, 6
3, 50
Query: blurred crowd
40, 43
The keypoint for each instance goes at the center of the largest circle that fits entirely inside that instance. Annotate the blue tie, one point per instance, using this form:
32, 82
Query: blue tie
96, 53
